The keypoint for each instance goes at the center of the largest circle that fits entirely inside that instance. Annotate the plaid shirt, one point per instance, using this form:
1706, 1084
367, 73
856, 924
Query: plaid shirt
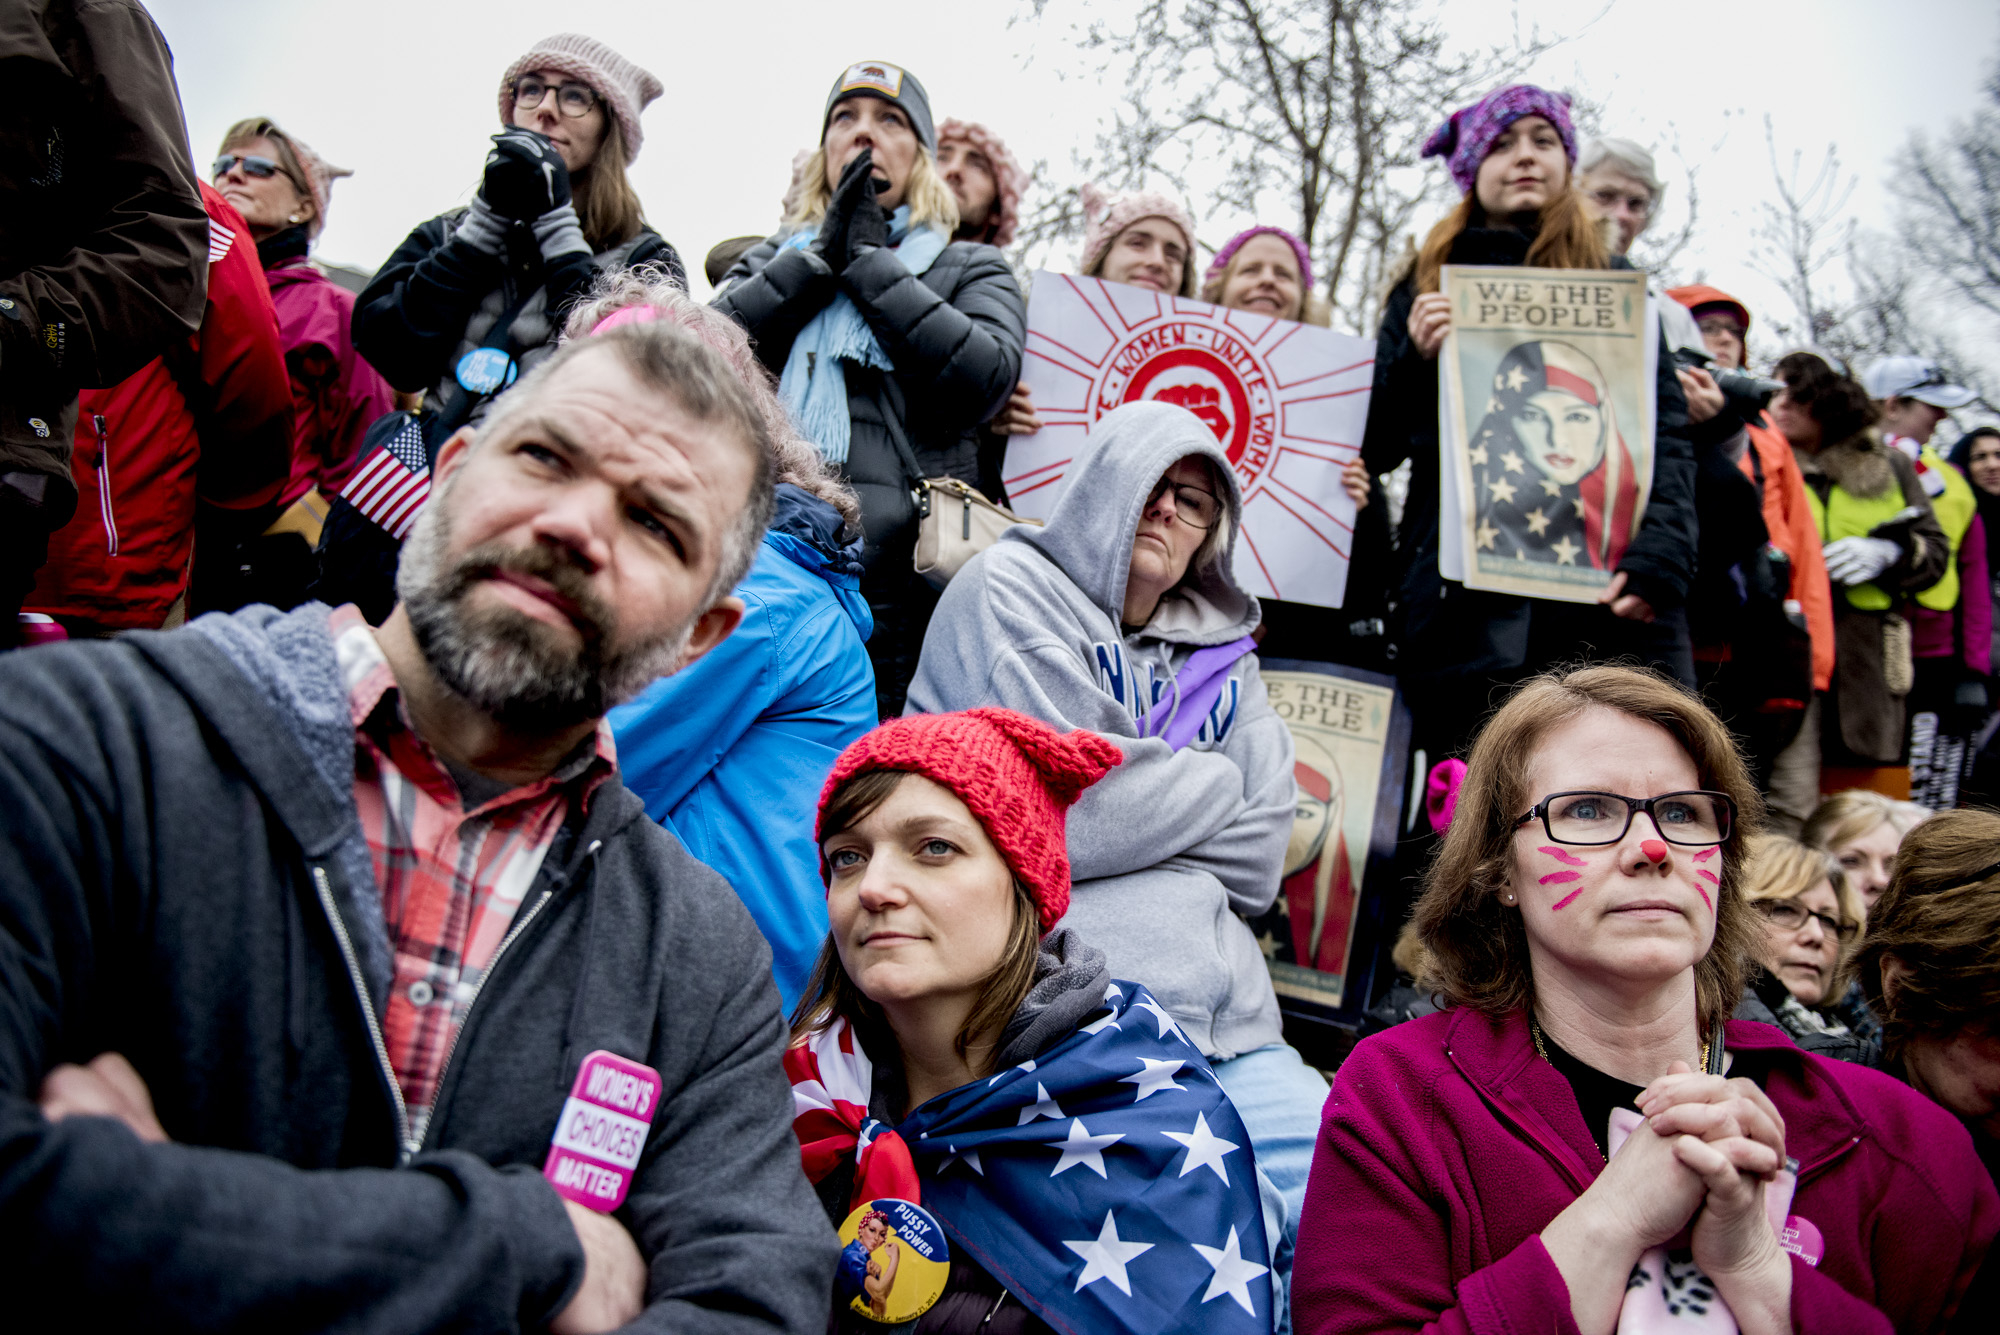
451, 878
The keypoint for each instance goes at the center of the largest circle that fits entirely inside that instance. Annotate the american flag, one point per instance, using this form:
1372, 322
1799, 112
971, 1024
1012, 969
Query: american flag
1107, 1183
391, 486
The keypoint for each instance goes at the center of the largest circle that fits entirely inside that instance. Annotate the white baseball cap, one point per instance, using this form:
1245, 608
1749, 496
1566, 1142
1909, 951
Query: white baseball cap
1914, 378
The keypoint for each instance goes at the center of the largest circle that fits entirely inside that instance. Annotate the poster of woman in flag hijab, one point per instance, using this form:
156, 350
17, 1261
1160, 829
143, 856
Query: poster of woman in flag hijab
1548, 427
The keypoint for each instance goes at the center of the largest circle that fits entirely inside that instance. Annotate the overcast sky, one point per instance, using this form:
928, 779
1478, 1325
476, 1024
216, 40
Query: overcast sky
404, 91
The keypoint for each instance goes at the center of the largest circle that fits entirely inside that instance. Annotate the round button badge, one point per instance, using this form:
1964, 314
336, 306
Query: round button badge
485, 370
894, 1261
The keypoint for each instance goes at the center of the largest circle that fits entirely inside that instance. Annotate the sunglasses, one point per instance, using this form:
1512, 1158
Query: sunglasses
261, 168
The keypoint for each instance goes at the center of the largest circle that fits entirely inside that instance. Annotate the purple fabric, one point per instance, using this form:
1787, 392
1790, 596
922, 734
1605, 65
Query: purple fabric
1935, 634
1466, 137
336, 394
1197, 686
1235, 243
1441, 793
1447, 1146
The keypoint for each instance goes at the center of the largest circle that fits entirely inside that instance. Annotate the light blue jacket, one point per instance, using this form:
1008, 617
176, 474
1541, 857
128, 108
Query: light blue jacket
731, 753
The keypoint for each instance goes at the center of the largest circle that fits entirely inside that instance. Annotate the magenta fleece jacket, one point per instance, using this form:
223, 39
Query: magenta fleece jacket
1448, 1145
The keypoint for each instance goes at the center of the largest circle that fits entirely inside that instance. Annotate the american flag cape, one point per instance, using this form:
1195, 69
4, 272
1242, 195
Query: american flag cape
1108, 1183
391, 485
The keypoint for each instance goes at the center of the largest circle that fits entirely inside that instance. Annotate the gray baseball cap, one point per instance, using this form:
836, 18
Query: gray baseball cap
1914, 378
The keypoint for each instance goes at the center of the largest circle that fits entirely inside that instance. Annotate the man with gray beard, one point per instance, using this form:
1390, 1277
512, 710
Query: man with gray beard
343, 983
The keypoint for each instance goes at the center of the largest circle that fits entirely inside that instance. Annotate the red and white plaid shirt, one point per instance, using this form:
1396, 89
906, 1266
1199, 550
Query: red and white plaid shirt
451, 878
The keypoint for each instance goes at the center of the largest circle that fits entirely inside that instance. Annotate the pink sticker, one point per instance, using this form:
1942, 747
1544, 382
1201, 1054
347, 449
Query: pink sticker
1801, 1237
1567, 859
1561, 877
1565, 901
602, 1131
1654, 850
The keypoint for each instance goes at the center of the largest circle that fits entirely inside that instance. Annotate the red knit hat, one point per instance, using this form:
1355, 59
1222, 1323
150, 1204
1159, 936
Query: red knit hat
1018, 776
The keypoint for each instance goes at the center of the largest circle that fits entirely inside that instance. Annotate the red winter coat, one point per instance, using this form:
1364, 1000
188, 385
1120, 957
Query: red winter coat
208, 421
1447, 1146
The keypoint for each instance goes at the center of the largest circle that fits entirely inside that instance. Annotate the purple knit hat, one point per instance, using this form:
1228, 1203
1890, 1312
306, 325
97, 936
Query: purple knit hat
1220, 264
1467, 136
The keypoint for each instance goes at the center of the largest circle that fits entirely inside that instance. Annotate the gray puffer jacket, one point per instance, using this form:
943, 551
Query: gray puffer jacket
953, 333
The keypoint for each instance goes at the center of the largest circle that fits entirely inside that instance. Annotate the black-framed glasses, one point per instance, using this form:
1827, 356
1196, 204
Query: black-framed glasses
1695, 818
261, 168
572, 99
1790, 915
1193, 506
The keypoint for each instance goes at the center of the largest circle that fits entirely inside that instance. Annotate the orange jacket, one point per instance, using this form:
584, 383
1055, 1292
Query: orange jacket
1789, 518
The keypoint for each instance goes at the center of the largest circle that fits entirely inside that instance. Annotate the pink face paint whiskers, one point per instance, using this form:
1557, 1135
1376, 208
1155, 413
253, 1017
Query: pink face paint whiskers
1561, 877
1706, 854
1704, 898
1565, 901
1566, 858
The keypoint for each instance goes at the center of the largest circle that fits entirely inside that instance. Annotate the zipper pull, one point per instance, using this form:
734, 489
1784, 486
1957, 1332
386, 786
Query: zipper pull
103, 439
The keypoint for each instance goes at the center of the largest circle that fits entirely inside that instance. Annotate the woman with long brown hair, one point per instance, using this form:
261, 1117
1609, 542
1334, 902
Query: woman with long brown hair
1513, 154
474, 297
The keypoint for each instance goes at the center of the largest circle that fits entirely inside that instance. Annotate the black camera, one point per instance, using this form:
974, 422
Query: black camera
1747, 395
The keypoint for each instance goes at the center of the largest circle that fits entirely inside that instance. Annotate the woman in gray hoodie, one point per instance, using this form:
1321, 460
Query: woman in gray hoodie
1123, 616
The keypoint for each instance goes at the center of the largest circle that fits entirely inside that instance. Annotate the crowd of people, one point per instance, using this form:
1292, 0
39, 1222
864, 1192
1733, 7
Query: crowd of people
500, 723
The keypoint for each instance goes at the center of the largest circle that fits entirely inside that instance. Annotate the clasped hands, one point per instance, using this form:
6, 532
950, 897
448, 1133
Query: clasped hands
854, 219
613, 1291
1707, 1149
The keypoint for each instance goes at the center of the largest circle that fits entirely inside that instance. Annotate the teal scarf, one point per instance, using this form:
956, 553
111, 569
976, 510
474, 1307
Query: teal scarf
814, 385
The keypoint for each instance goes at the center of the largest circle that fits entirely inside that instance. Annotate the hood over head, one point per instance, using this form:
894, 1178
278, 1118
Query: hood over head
1699, 296
1089, 536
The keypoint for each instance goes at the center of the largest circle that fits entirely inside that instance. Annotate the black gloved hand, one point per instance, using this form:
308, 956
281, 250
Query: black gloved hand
869, 226
854, 186
525, 176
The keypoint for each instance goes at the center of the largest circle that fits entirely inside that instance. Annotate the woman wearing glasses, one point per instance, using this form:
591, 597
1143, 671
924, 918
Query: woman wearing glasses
1809, 916
473, 298
281, 187
1124, 616
1584, 1140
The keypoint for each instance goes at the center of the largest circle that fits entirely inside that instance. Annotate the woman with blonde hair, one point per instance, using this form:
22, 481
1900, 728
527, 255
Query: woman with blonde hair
1862, 829
1584, 1136
892, 341
1513, 155
1809, 919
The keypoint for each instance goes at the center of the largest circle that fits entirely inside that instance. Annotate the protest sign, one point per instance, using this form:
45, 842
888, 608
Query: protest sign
1350, 736
1545, 430
1287, 401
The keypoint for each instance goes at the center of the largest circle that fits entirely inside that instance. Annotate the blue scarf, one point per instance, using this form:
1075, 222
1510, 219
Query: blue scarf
814, 385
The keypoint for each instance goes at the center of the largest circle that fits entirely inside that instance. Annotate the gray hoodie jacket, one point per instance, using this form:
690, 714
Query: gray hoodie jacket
1171, 850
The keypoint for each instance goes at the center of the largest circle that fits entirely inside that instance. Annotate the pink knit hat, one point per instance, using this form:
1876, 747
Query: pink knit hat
1220, 264
1018, 776
1106, 214
1007, 175
625, 88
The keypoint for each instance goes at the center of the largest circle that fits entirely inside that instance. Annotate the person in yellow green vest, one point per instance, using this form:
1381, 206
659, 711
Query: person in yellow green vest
1882, 543
1950, 631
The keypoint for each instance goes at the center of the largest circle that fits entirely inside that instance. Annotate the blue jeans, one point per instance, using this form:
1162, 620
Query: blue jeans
1279, 1099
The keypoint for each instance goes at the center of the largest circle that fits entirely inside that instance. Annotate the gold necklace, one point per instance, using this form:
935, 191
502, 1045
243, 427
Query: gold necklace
1541, 1050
